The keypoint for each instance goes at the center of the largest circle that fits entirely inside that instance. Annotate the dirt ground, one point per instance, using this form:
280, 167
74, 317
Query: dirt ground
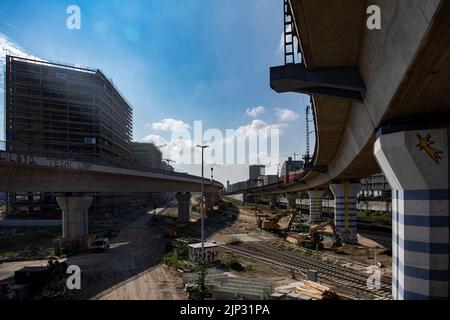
131, 269
371, 248
159, 283
140, 245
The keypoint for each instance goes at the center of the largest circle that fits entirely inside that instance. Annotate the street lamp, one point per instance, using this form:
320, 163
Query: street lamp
203, 147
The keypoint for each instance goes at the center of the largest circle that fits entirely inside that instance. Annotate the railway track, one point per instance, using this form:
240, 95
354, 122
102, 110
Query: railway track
385, 280
350, 283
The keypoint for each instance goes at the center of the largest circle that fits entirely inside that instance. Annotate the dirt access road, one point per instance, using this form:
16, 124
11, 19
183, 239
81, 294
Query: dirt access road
130, 270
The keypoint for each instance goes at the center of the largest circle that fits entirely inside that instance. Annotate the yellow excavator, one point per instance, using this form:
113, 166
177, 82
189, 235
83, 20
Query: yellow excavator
313, 238
268, 223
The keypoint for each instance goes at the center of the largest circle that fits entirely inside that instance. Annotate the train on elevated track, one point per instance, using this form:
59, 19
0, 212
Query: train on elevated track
291, 170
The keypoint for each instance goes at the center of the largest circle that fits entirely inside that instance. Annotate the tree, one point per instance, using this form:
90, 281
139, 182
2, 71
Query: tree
200, 291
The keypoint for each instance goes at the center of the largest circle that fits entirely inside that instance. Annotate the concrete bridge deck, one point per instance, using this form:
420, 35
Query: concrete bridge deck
24, 173
404, 70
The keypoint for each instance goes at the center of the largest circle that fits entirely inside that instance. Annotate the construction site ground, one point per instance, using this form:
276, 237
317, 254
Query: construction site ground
132, 268
355, 256
245, 228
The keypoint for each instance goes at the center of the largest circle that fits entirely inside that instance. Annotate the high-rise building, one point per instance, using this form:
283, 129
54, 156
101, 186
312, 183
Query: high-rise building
65, 112
256, 171
376, 186
59, 109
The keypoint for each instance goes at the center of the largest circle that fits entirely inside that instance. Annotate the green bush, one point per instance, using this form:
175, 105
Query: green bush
235, 241
249, 268
236, 265
179, 256
199, 291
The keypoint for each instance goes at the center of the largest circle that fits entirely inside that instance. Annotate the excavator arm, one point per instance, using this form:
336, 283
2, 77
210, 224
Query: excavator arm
272, 223
322, 226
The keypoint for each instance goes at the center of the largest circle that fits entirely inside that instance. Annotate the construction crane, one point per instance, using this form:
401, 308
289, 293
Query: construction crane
307, 156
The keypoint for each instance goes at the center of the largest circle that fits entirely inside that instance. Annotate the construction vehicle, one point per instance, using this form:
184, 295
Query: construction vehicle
171, 233
268, 223
260, 217
313, 238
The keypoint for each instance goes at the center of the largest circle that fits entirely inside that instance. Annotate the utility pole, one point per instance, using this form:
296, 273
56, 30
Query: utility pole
203, 147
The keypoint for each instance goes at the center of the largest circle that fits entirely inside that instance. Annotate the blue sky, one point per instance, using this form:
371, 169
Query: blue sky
190, 60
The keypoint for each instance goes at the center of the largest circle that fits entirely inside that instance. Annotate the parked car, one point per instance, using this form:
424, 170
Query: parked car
100, 245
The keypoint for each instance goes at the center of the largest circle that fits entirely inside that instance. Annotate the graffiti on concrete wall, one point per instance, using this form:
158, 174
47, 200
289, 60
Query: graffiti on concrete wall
49, 162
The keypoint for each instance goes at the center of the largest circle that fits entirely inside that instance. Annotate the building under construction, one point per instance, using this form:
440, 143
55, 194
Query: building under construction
66, 112
58, 109
146, 156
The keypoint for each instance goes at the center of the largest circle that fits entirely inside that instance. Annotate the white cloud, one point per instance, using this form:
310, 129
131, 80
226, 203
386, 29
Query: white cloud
177, 149
258, 126
286, 115
157, 140
256, 111
180, 147
8, 46
169, 125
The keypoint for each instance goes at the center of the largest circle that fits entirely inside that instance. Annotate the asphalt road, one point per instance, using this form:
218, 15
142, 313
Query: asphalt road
130, 269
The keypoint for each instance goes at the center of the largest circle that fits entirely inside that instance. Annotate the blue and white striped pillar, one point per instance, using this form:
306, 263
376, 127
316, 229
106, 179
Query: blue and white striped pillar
315, 205
416, 165
345, 211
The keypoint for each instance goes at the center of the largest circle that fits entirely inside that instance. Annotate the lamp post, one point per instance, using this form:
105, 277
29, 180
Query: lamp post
203, 147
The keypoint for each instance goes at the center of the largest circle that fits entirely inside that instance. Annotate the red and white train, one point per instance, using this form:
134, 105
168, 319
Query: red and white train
292, 169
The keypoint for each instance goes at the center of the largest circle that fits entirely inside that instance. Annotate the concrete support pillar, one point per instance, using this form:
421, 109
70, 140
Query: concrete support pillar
75, 222
315, 206
416, 165
292, 201
273, 201
184, 201
216, 198
209, 201
345, 211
